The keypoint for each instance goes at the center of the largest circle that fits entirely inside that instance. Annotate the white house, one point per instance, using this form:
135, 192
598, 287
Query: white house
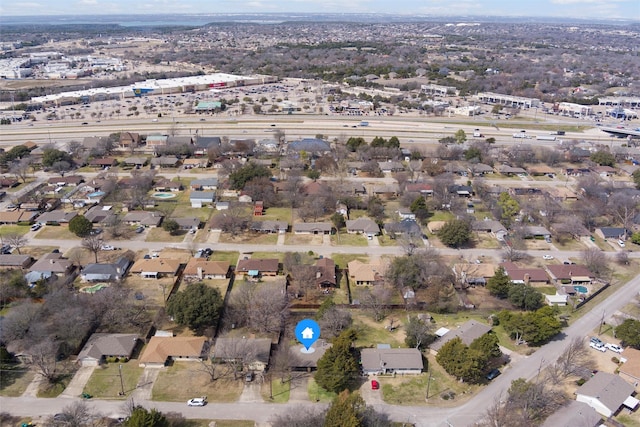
606, 393
201, 198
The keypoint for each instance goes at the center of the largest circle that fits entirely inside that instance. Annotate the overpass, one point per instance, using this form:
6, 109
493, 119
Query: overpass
622, 132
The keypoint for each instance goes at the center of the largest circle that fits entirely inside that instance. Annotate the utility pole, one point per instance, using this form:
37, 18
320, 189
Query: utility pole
428, 385
121, 381
601, 323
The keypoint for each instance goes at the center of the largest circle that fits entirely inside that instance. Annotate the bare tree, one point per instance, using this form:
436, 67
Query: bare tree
16, 240
304, 279
595, 260
44, 359
334, 321
261, 308
233, 221
20, 168
76, 414
510, 253
375, 301
574, 361
93, 244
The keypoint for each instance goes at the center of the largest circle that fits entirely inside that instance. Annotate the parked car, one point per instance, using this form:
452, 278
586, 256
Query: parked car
375, 385
547, 257
197, 401
613, 347
493, 374
621, 243
36, 227
598, 346
596, 340
107, 248
248, 377
139, 230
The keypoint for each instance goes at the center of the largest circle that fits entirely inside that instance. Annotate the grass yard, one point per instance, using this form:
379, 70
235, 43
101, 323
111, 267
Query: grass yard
303, 239
250, 238
345, 239
268, 255
385, 240
547, 290
57, 232
54, 390
275, 214
184, 380
441, 216
569, 245
153, 291
8, 229
36, 251
14, 380
157, 234
105, 380
341, 294
342, 260
220, 284
229, 256
629, 420
371, 333
318, 394
279, 390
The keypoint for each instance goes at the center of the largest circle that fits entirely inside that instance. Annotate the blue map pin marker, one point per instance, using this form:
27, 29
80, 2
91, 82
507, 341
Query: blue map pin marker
307, 332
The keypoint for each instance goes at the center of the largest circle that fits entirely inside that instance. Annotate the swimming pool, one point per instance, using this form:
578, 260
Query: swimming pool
97, 194
581, 289
95, 288
161, 195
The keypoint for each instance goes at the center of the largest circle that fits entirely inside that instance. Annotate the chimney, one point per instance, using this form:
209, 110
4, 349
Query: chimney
199, 272
527, 279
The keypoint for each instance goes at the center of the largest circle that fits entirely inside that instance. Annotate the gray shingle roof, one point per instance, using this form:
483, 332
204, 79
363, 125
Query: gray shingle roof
609, 389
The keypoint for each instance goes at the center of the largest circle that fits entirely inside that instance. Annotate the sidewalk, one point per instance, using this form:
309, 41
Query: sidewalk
34, 385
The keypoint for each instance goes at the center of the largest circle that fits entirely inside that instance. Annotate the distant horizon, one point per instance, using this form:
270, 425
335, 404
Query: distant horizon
601, 10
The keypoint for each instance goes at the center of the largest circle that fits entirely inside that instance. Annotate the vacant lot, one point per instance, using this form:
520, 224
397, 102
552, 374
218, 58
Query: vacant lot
185, 380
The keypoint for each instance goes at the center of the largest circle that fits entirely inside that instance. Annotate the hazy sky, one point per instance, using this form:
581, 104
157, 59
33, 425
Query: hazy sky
602, 9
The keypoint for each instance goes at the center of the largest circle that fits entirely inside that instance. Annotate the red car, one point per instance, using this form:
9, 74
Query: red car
375, 385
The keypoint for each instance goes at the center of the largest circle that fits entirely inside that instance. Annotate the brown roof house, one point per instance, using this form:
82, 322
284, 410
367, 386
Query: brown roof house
257, 267
100, 346
468, 332
386, 360
10, 262
607, 393
367, 274
629, 370
200, 268
254, 353
473, 273
527, 276
570, 273
146, 218
324, 272
162, 349
156, 268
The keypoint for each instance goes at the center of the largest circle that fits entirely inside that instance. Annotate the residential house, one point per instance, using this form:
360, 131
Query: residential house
604, 171
456, 169
165, 162
161, 349
104, 162
204, 184
138, 162
613, 233
406, 214
461, 190
468, 332
572, 273
143, 218
629, 370
314, 188
313, 146
532, 231
179, 140
167, 185
576, 171
574, 414
559, 299
406, 227
270, 226
510, 170
367, 274
363, 226
607, 393
257, 267
129, 140
18, 216
156, 268
57, 217
324, 272
188, 223
156, 142
391, 166
254, 353
562, 194
199, 162
474, 273
495, 228
101, 346
201, 268
383, 361
527, 276
541, 170
199, 199
9, 182
304, 361
106, 272
312, 228
15, 261
49, 266
64, 181
202, 144
389, 191
480, 169
99, 214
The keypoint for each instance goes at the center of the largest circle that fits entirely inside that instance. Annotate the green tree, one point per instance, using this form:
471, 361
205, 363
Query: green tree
525, 297
52, 155
80, 226
354, 142
447, 140
379, 141
603, 158
141, 417
473, 153
170, 226
487, 344
338, 366
629, 332
455, 233
338, 220
635, 237
393, 142
535, 327
496, 109
197, 307
418, 334
313, 174
499, 284
346, 410
460, 136
239, 178
636, 178
509, 208
419, 208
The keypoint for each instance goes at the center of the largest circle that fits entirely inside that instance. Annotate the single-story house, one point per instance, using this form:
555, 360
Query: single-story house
557, 299
201, 198
309, 145
468, 333
204, 184
473, 273
528, 276
257, 267
51, 264
108, 272
99, 214
541, 170
510, 170
167, 185
270, 226
304, 361
363, 226
100, 346
156, 141
480, 169
573, 415
495, 228
381, 361
156, 268
407, 227
161, 350
57, 217
200, 162
533, 231
391, 166
145, 218
9, 262
253, 352
165, 161
367, 274
69, 180
203, 143
136, 161
614, 233
312, 228
17, 216
103, 162
188, 223
607, 393
419, 187
200, 268
406, 214
324, 272
572, 273
391, 190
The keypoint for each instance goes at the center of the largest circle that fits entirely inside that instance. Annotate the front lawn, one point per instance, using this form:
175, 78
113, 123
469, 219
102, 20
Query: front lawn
54, 389
8, 229
105, 380
14, 380
279, 390
56, 232
318, 394
157, 234
230, 256
346, 239
185, 380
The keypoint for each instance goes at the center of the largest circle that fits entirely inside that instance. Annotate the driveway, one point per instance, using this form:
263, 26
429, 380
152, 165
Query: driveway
145, 384
251, 392
372, 397
78, 382
298, 387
